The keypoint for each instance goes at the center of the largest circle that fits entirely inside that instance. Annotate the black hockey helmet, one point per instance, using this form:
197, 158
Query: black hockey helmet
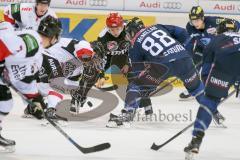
133, 27
50, 27
44, 1
227, 25
196, 13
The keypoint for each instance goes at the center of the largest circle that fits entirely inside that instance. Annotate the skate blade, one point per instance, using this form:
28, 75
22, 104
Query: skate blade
190, 156
186, 99
28, 116
45, 123
113, 124
8, 149
219, 125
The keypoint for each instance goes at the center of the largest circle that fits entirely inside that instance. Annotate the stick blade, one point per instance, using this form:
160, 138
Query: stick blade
96, 148
110, 88
155, 147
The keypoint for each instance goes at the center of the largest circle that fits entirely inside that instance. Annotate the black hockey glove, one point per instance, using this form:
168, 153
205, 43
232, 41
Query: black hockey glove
77, 99
98, 48
90, 73
36, 109
50, 113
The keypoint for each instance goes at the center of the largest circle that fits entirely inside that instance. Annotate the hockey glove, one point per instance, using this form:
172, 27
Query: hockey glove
100, 82
37, 107
77, 101
50, 113
98, 48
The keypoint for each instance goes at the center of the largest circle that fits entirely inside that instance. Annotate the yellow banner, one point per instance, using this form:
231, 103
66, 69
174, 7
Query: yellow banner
88, 27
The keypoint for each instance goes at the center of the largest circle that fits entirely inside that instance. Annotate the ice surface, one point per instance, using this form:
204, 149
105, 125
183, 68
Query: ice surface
35, 142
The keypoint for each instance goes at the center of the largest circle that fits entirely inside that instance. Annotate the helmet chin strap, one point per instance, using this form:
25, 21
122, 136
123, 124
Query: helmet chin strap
50, 42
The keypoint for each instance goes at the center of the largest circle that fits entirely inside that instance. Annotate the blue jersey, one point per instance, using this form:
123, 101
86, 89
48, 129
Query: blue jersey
159, 44
202, 37
222, 48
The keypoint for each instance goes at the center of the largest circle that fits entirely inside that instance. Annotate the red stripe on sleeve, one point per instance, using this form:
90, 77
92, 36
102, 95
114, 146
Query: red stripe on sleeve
53, 93
4, 51
31, 96
10, 20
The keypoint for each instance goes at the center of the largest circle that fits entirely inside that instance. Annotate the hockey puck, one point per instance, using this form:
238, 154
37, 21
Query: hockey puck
89, 104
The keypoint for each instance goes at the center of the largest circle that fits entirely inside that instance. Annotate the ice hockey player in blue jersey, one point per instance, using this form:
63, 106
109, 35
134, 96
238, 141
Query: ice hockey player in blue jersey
202, 29
222, 63
156, 54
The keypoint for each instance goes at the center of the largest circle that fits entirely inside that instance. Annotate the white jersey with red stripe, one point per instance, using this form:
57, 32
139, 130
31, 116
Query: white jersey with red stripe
67, 50
24, 16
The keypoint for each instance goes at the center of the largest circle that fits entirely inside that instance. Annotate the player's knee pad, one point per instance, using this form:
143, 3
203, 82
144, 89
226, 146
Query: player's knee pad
218, 84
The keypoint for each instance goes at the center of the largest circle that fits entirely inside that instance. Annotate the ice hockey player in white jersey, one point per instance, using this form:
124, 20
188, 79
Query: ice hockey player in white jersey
6, 102
28, 15
81, 67
21, 58
50, 30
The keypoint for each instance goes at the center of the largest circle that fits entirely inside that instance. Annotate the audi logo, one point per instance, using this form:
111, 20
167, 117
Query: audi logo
172, 5
238, 7
98, 2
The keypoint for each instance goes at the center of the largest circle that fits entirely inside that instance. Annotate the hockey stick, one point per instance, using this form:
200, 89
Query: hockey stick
110, 88
159, 88
157, 147
84, 150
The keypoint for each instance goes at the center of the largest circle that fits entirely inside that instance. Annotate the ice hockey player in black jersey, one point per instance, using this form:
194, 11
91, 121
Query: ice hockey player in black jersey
114, 42
202, 29
222, 65
116, 48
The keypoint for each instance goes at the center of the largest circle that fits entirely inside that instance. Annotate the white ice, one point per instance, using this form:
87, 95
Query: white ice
35, 142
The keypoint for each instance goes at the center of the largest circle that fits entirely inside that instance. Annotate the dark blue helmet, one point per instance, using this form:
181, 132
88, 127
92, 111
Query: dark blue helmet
133, 27
196, 13
227, 25
44, 1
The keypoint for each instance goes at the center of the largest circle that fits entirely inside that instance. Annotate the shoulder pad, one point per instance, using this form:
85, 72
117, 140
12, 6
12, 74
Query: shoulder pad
16, 12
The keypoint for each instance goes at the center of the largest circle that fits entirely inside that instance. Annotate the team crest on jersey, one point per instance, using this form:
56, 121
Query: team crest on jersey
41, 71
124, 45
211, 30
112, 45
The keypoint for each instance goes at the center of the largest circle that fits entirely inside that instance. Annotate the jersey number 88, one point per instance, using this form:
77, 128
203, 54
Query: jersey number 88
156, 42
